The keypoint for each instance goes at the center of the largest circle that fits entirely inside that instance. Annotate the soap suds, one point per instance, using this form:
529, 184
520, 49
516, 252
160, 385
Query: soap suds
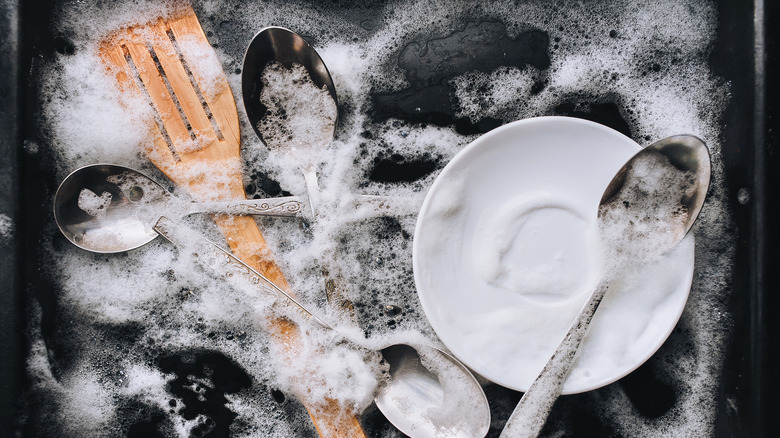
644, 218
92, 204
537, 247
299, 120
299, 116
128, 313
6, 228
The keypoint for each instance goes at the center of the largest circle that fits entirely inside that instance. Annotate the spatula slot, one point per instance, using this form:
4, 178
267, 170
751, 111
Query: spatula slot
195, 86
161, 71
136, 77
171, 92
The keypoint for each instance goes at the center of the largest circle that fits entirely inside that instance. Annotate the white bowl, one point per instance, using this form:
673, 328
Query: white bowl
505, 251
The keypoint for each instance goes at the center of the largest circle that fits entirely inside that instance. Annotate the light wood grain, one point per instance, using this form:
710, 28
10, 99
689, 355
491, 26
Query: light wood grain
198, 159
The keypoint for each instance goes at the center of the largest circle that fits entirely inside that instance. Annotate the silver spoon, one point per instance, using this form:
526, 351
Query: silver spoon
131, 189
122, 210
655, 218
123, 203
279, 45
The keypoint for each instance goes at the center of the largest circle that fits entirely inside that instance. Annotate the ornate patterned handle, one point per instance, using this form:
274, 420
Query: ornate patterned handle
224, 263
290, 206
362, 206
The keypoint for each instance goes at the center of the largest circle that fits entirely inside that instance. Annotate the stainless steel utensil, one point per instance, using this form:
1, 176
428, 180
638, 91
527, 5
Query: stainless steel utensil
277, 44
625, 198
127, 216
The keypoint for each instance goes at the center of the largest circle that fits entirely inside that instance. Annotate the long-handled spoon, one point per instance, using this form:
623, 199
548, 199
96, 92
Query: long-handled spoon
128, 187
422, 398
653, 218
110, 192
287, 48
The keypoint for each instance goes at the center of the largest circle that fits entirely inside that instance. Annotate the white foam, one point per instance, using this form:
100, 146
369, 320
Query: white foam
536, 246
80, 404
6, 228
299, 116
179, 306
324, 367
92, 204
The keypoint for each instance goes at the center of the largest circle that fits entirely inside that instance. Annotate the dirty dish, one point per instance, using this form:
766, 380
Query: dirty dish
506, 250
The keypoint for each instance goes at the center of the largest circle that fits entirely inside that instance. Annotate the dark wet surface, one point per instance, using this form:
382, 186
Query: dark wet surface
203, 378
430, 65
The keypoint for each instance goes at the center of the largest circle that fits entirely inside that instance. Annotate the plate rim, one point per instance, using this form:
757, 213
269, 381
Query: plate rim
686, 277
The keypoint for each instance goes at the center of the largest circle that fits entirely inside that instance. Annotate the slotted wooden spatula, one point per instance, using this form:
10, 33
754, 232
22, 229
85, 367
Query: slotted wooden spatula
196, 144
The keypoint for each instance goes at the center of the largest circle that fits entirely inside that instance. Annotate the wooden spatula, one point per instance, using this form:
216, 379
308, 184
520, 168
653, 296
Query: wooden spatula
196, 144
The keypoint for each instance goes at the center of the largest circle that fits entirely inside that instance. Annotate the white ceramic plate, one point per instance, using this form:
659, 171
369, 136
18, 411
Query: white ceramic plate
505, 251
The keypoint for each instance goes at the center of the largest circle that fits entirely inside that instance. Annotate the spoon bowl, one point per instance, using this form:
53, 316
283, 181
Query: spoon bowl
277, 44
688, 155
285, 47
114, 224
420, 402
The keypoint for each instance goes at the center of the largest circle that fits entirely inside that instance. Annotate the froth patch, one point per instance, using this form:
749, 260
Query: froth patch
604, 52
325, 367
300, 117
85, 118
6, 228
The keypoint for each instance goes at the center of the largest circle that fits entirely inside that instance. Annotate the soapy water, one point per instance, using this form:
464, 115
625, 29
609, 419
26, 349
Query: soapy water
92, 204
299, 116
143, 341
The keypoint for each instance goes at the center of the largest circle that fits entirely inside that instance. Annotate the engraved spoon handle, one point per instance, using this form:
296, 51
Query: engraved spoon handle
300, 206
288, 206
530, 415
224, 263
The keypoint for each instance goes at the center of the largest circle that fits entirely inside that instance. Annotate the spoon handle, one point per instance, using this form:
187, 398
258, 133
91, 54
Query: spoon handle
312, 187
224, 263
530, 415
287, 206
299, 206
378, 205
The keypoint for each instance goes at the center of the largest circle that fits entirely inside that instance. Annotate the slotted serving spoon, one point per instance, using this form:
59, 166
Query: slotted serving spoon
196, 144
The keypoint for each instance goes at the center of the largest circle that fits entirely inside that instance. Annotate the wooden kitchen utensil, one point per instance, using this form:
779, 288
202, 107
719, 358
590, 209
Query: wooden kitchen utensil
196, 144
